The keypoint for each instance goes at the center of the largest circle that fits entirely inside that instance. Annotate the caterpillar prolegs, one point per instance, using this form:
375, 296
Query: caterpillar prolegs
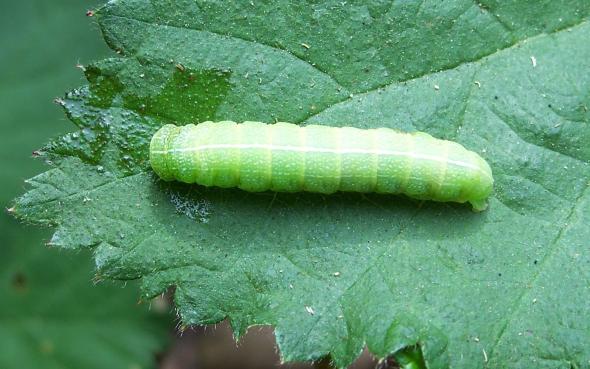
285, 157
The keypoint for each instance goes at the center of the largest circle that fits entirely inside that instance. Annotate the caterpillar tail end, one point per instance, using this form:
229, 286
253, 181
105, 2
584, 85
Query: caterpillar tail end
479, 205
484, 185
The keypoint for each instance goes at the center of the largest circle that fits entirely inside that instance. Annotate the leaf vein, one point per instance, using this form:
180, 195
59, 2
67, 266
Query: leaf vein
553, 250
274, 47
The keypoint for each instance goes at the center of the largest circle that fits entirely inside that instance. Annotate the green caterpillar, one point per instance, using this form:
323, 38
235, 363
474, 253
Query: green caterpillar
286, 157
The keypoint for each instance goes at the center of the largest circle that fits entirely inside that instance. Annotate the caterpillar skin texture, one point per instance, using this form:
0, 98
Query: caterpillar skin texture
286, 157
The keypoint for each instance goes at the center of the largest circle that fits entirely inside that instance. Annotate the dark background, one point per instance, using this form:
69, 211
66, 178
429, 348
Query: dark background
41, 43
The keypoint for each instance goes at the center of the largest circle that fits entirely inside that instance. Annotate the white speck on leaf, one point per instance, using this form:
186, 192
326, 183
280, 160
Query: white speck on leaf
437, 87
309, 310
196, 209
534, 61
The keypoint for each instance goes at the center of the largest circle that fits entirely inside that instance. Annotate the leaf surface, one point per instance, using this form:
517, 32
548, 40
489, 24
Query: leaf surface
506, 288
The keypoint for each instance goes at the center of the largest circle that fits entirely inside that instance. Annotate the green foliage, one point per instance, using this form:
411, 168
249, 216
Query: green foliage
52, 315
507, 288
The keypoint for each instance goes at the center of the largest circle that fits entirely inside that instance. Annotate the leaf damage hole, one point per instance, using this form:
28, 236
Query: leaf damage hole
408, 357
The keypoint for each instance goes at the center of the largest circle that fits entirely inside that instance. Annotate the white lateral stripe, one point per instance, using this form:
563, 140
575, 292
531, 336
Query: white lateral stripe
322, 150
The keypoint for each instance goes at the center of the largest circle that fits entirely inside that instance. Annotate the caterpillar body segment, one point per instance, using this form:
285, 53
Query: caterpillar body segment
286, 157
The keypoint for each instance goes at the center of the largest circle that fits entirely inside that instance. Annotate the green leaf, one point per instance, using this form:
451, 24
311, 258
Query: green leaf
52, 315
506, 288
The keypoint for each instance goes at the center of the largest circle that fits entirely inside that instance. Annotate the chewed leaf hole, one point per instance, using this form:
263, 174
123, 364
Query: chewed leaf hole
407, 358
